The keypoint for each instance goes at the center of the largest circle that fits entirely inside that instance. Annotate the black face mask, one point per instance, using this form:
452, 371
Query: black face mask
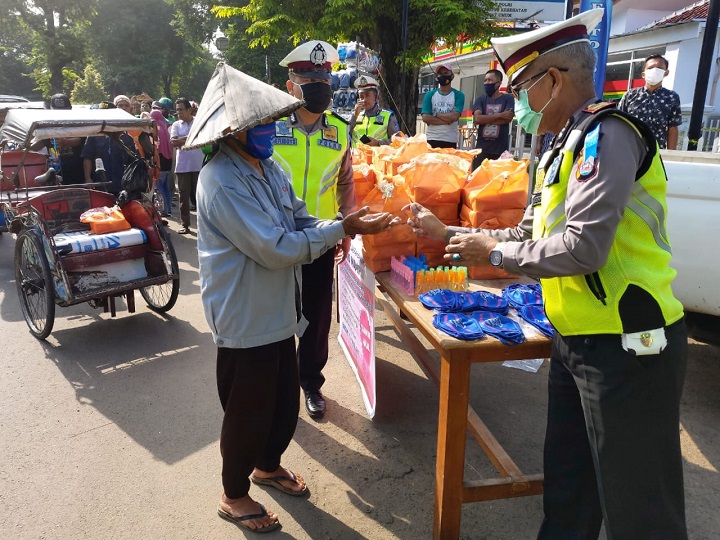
444, 79
317, 96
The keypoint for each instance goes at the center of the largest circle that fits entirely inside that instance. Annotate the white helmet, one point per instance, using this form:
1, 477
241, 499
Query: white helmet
313, 59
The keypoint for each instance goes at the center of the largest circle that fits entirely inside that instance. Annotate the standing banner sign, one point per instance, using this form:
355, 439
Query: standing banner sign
600, 40
356, 305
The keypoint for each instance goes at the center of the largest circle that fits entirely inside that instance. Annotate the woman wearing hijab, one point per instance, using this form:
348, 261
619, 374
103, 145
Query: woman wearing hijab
165, 158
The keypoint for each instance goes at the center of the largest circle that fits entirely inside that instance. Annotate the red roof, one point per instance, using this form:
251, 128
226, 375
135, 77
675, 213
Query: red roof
698, 10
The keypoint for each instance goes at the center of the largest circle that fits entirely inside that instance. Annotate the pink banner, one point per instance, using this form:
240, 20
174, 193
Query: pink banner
356, 305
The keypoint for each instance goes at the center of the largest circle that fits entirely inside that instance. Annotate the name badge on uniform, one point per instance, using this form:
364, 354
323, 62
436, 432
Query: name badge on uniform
283, 134
552, 174
282, 129
329, 138
586, 167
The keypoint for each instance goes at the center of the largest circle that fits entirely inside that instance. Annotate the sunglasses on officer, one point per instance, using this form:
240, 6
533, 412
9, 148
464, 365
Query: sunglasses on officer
515, 88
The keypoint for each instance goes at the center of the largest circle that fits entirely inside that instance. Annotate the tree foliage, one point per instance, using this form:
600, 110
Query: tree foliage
157, 46
89, 88
376, 23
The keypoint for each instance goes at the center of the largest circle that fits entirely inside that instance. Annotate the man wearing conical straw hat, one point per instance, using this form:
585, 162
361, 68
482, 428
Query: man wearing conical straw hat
253, 236
596, 237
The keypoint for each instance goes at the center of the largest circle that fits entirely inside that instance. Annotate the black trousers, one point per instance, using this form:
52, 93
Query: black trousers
187, 184
259, 393
477, 160
441, 144
612, 447
317, 296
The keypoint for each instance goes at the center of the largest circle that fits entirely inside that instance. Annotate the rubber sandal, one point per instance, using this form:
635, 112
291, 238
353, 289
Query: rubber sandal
274, 482
240, 520
184, 230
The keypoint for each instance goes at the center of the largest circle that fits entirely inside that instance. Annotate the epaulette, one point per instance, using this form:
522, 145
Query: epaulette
336, 115
594, 108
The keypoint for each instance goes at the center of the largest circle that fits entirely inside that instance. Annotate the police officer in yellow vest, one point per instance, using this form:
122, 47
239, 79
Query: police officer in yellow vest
369, 123
595, 235
313, 147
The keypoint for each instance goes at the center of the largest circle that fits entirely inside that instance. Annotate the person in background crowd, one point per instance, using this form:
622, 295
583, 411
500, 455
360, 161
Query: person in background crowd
167, 105
67, 150
377, 126
493, 112
441, 110
312, 145
135, 108
165, 154
654, 104
146, 107
112, 149
595, 235
123, 102
254, 233
187, 162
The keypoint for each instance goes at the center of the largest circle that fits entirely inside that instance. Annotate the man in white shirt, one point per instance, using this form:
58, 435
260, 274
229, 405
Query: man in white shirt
187, 162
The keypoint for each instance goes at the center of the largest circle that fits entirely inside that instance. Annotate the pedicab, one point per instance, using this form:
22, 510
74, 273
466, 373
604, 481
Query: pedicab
60, 260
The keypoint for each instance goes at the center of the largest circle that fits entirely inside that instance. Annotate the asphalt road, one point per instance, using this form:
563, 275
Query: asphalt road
109, 430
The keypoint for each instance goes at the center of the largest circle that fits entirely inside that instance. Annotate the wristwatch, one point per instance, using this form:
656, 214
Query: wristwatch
496, 255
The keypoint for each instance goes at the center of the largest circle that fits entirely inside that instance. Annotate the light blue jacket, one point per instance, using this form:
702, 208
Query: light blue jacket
253, 236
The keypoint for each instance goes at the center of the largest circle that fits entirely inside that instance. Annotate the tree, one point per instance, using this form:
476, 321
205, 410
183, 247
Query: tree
55, 29
89, 88
261, 62
15, 51
376, 23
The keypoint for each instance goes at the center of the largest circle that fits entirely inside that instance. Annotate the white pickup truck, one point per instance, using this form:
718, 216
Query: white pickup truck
693, 198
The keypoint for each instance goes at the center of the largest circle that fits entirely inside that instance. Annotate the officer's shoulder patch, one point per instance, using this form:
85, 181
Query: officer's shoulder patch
597, 107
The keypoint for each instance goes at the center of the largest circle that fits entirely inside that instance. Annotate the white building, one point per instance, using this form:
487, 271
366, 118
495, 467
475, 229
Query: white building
639, 28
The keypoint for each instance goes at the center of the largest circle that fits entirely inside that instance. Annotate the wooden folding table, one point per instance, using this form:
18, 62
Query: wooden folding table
455, 415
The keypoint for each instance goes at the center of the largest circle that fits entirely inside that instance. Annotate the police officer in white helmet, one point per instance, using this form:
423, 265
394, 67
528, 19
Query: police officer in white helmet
313, 147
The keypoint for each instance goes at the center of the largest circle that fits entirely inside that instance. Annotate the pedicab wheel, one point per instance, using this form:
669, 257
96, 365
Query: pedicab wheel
162, 297
34, 284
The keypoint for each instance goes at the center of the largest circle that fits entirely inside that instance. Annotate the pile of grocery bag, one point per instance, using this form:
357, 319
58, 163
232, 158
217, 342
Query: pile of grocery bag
387, 178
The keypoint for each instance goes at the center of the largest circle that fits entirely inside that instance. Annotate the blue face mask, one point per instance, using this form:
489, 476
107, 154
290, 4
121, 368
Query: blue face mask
260, 140
528, 119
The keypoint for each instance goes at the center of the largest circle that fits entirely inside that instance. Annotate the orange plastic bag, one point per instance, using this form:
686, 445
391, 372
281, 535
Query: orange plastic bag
387, 196
435, 178
378, 259
497, 184
498, 219
364, 180
104, 220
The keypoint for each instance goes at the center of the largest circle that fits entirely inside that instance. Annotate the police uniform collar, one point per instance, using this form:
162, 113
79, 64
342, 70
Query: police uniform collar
294, 121
374, 110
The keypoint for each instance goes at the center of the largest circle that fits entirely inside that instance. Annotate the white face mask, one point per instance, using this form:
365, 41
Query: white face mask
654, 76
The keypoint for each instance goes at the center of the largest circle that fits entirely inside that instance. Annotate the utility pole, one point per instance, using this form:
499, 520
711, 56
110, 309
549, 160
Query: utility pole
703, 74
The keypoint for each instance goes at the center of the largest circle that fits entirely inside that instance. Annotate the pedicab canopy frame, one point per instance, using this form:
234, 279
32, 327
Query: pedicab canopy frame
25, 127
